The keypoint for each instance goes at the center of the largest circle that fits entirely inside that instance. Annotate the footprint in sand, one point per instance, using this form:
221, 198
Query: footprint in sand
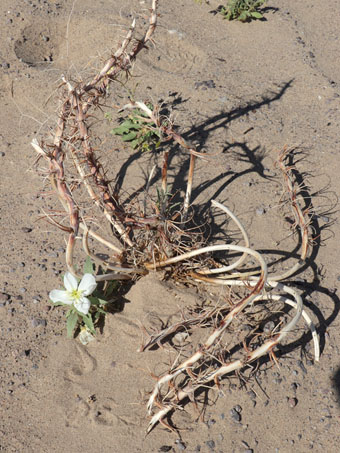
85, 365
174, 55
88, 410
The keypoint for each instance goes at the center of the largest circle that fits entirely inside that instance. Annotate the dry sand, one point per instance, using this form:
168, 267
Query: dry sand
243, 91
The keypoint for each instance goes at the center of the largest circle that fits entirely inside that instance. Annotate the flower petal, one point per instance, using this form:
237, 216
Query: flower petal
70, 282
87, 285
82, 304
57, 295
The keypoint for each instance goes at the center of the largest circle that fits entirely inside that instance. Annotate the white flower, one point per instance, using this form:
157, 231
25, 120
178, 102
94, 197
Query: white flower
74, 294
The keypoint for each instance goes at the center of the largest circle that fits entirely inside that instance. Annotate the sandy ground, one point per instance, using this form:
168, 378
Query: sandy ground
242, 92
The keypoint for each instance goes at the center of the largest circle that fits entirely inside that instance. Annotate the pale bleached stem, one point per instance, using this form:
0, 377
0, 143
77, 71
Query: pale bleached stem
188, 192
107, 264
245, 238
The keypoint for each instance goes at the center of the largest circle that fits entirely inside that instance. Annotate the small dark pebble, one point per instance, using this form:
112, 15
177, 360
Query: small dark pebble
2, 154
26, 229
165, 448
198, 448
238, 408
36, 322
235, 415
210, 444
294, 386
205, 84
211, 422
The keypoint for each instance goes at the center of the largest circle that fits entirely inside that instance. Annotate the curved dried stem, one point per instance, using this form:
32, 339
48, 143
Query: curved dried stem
187, 364
227, 368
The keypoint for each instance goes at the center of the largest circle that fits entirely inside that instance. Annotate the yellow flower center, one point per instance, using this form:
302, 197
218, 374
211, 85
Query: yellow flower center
75, 294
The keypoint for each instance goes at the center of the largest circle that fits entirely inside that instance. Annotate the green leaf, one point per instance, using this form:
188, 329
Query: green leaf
257, 15
102, 301
89, 323
243, 16
128, 137
94, 300
111, 287
88, 266
119, 130
71, 323
135, 143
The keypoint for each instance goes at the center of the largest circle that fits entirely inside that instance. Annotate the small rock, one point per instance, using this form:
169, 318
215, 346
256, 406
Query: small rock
180, 445
4, 297
268, 327
205, 84
165, 448
292, 402
210, 444
260, 211
236, 416
36, 322
211, 422
26, 229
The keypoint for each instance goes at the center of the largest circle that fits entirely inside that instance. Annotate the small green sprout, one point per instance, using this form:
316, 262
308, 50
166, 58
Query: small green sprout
242, 10
139, 131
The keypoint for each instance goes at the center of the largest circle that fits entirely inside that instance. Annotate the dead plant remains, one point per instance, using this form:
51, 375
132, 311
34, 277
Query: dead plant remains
151, 232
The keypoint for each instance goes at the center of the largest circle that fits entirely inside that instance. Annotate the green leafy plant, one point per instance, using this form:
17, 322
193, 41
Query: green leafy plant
242, 10
139, 130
